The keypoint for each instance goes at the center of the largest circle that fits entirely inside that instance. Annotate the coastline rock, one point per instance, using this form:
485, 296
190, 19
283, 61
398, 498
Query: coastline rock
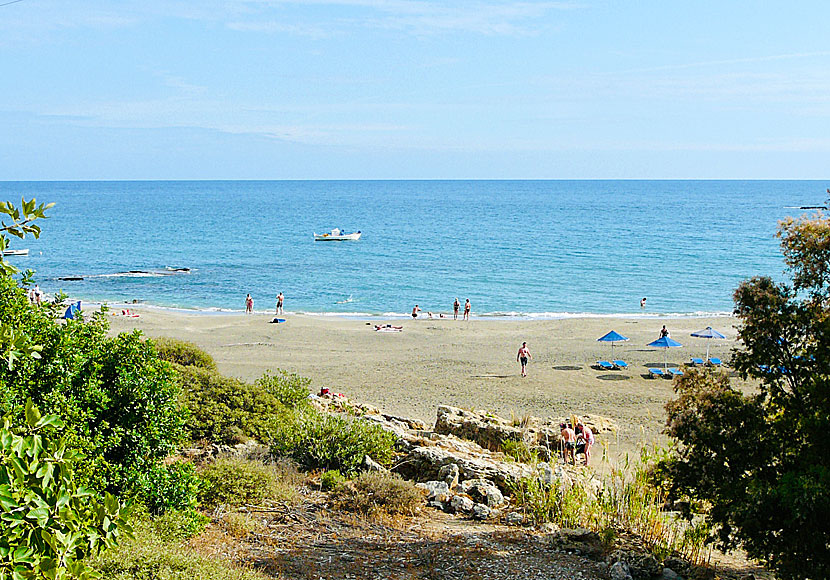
482, 492
462, 504
437, 491
449, 475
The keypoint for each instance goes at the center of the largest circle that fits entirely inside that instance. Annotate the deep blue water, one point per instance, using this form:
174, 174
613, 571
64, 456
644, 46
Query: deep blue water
532, 248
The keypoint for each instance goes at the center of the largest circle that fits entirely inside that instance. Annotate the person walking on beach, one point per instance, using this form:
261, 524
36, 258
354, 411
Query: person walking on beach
280, 299
467, 308
415, 311
523, 356
249, 304
455, 306
664, 332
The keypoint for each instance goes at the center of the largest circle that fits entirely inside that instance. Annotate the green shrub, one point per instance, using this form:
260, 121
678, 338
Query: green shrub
154, 555
519, 451
235, 481
224, 409
330, 479
183, 353
288, 388
179, 525
50, 527
323, 441
118, 400
374, 492
169, 487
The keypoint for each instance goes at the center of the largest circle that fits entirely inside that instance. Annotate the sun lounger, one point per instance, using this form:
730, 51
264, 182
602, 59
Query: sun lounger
620, 364
714, 361
675, 372
605, 365
696, 362
654, 373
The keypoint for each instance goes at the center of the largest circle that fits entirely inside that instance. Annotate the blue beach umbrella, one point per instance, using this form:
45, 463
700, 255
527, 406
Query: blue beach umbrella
708, 333
612, 337
666, 343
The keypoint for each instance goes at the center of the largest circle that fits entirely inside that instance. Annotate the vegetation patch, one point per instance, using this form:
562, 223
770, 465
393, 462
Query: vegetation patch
374, 492
234, 481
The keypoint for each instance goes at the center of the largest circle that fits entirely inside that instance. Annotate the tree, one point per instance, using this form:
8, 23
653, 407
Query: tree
762, 461
49, 526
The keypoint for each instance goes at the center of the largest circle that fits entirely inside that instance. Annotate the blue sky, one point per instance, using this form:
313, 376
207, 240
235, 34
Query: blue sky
387, 89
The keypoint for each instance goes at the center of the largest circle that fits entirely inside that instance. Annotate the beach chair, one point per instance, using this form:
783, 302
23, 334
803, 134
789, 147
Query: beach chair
605, 365
714, 361
675, 372
654, 373
619, 364
696, 362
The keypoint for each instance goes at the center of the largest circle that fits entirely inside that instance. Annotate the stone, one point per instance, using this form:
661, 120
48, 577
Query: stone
449, 475
461, 504
488, 430
577, 535
435, 490
514, 519
370, 464
620, 571
482, 491
669, 574
481, 511
644, 566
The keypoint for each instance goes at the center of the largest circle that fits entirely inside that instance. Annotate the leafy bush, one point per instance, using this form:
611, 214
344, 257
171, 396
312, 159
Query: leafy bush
288, 388
519, 451
224, 409
169, 487
118, 400
157, 553
331, 479
322, 441
374, 492
235, 481
50, 526
183, 353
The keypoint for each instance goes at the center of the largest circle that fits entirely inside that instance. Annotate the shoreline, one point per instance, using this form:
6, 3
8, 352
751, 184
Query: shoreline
372, 316
470, 365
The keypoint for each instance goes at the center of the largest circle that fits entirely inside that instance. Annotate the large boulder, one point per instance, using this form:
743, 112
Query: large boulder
488, 430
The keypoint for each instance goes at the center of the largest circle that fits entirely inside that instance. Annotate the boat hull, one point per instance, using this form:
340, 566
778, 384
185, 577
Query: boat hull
15, 252
340, 238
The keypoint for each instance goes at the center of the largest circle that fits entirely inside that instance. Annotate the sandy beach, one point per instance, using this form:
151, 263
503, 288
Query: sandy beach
470, 364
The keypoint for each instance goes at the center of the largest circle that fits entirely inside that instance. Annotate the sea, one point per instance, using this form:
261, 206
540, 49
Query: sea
516, 249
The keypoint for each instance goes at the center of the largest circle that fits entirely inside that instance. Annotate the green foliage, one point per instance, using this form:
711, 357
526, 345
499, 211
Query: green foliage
183, 353
158, 553
224, 409
374, 493
519, 451
169, 487
49, 526
118, 400
236, 481
322, 441
331, 479
288, 388
763, 461
19, 224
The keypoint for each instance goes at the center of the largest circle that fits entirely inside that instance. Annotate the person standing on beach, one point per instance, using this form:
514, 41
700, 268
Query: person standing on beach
523, 356
643, 302
280, 299
467, 308
455, 306
249, 304
415, 311
568, 442
664, 332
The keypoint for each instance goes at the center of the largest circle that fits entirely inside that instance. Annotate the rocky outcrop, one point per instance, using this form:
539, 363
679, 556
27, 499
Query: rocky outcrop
491, 431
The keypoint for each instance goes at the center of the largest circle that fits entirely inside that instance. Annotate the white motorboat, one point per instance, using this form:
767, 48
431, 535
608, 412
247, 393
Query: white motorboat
337, 235
16, 252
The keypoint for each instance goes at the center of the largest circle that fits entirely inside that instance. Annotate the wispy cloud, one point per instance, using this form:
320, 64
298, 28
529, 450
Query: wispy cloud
418, 17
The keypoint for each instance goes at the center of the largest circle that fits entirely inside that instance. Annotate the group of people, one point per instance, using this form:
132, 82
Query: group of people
35, 295
576, 439
456, 306
249, 304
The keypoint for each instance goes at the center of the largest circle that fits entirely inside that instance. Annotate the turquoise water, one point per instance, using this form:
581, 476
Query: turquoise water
514, 248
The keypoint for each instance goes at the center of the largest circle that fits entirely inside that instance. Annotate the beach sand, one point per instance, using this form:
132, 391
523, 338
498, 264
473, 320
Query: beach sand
469, 364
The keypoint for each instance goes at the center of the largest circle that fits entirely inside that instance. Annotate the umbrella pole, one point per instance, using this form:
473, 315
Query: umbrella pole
708, 340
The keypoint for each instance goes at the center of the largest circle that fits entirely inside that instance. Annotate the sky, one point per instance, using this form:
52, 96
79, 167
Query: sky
414, 89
